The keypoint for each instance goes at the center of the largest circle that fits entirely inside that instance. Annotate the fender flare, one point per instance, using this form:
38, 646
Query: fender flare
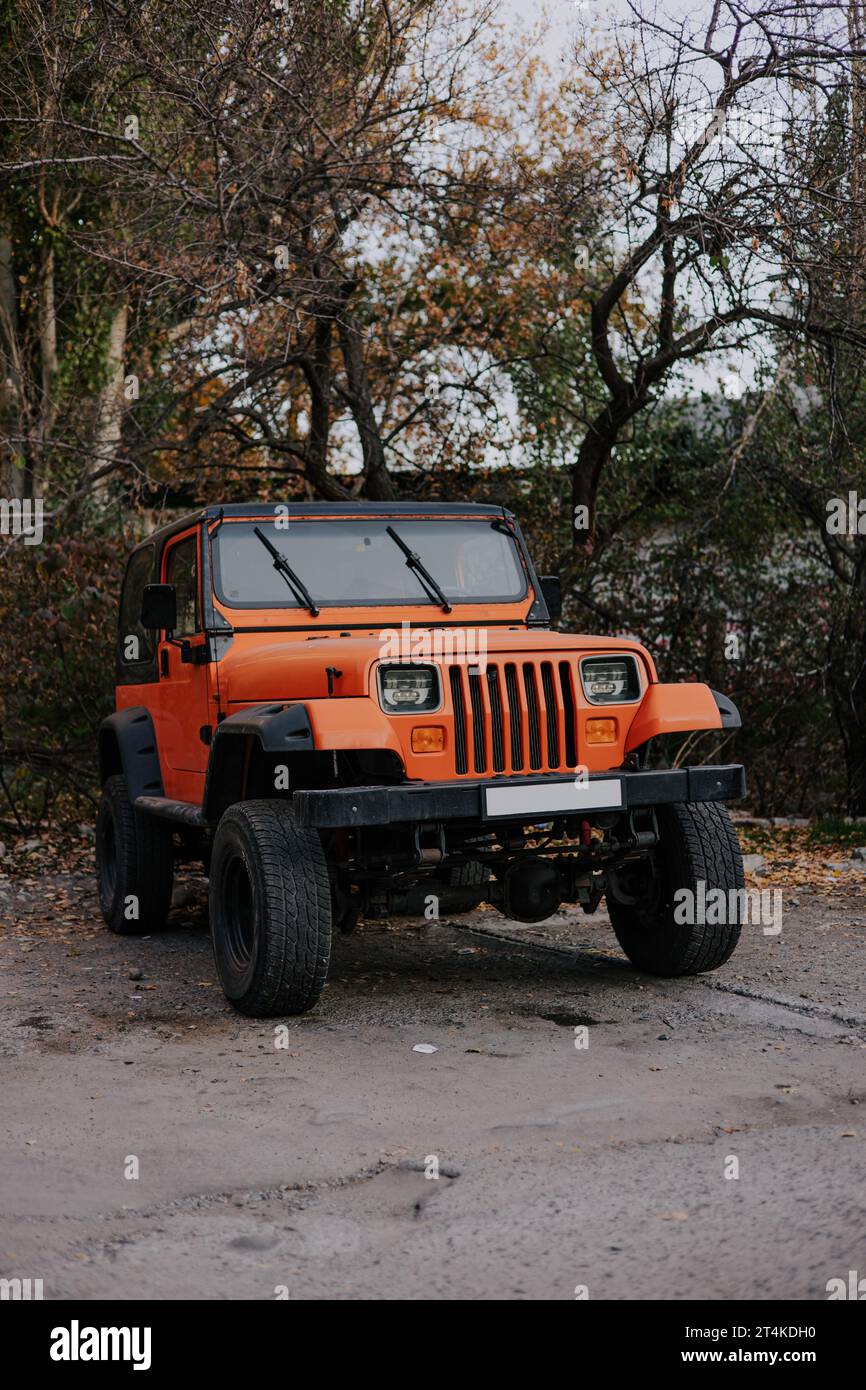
127, 744
680, 708
728, 710
276, 728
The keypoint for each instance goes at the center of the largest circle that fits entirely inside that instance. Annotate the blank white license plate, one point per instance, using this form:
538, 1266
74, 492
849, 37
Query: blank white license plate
602, 794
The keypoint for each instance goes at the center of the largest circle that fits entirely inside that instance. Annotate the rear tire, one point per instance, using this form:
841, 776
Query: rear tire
270, 910
134, 863
698, 843
466, 888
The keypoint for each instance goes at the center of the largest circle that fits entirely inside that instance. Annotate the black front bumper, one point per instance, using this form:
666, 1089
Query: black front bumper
468, 801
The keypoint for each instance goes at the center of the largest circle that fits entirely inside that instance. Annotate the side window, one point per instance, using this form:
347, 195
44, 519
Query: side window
136, 643
182, 571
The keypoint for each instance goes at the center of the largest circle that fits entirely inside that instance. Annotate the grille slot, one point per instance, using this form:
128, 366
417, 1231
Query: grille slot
461, 763
549, 689
513, 694
570, 714
532, 711
496, 718
477, 721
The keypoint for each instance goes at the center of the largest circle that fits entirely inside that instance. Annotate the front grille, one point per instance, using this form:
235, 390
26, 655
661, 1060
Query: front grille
515, 717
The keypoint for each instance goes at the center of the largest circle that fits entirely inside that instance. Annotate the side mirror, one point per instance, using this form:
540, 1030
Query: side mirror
159, 607
551, 591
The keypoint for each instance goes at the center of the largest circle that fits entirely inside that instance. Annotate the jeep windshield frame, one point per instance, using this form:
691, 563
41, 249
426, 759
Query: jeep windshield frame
352, 562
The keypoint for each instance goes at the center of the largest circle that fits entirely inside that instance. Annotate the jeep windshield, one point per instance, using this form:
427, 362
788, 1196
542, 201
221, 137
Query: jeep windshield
356, 563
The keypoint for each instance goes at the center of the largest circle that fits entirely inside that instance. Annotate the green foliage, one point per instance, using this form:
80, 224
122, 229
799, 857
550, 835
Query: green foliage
692, 554
835, 830
58, 610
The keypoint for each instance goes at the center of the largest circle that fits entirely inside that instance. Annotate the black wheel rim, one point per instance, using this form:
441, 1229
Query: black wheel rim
636, 884
239, 914
107, 856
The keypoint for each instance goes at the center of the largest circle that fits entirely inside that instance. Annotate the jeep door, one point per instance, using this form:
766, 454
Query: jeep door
182, 707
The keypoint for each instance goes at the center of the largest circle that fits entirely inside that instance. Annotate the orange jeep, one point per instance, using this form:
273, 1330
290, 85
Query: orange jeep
362, 708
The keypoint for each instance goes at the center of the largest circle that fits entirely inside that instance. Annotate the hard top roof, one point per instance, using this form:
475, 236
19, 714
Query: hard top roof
214, 511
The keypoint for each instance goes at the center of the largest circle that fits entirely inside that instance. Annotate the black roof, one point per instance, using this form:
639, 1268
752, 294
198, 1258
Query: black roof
365, 508
214, 511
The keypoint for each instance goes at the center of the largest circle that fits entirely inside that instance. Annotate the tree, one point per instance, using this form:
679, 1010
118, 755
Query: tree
716, 227
246, 151
320, 232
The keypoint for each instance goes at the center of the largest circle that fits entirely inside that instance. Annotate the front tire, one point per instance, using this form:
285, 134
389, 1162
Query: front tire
697, 844
270, 910
134, 863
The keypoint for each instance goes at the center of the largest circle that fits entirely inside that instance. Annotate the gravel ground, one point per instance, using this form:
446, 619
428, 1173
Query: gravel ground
291, 1161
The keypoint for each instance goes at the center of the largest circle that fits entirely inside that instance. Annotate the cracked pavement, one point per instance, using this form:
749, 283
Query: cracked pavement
300, 1170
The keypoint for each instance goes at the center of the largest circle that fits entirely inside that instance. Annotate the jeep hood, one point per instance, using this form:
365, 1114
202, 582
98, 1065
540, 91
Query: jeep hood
260, 667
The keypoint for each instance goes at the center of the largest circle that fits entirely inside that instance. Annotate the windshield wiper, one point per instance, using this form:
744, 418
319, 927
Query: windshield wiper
415, 563
282, 566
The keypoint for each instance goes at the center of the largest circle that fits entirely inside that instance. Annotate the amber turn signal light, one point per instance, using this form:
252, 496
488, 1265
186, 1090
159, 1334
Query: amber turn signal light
601, 731
428, 738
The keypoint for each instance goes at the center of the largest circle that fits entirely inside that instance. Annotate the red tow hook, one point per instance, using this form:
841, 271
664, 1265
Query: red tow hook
585, 834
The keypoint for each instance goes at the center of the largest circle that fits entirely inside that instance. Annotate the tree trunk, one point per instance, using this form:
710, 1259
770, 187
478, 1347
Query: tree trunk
318, 373
109, 420
849, 699
12, 479
854, 697
379, 486
592, 458
50, 367
856, 769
